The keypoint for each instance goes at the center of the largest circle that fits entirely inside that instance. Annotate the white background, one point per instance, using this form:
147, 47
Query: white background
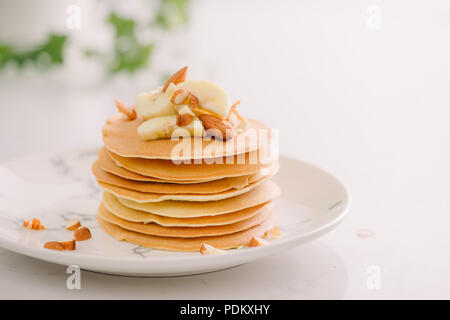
370, 104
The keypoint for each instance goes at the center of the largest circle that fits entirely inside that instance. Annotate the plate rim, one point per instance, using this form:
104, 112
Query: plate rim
58, 257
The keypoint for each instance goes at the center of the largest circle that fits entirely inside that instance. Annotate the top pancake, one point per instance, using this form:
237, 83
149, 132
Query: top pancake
120, 136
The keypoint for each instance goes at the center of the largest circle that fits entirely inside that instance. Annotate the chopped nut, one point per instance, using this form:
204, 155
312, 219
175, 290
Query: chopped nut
53, 245
179, 96
184, 119
176, 78
129, 112
207, 249
73, 224
272, 233
218, 127
257, 242
239, 122
60, 245
69, 245
82, 234
193, 101
233, 109
34, 224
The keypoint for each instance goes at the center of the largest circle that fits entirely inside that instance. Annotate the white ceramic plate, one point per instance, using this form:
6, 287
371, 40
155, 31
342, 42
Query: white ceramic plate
58, 187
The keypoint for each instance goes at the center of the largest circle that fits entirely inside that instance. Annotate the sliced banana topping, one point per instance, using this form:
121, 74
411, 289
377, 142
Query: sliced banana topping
157, 128
194, 129
179, 109
155, 104
185, 110
210, 95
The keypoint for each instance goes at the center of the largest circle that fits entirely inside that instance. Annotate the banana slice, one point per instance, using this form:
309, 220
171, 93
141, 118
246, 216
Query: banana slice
157, 128
185, 109
194, 129
166, 127
211, 96
156, 103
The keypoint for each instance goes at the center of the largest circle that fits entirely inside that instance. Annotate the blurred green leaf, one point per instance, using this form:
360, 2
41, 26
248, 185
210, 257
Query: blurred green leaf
54, 48
131, 60
91, 53
129, 54
6, 52
171, 14
123, 27
47, 54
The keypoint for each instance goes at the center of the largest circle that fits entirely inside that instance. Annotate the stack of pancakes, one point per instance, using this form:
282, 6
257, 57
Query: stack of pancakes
153, 201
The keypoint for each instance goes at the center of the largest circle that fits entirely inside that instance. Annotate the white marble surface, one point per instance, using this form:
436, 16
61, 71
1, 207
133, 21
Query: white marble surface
369, 105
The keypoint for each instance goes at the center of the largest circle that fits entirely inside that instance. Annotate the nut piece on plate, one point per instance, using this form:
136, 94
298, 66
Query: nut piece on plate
217, 127
129, 112
272, 233
82, 234
72, 224
207, 249
69, 245
34, 224
54, 245
60, 245
257, 242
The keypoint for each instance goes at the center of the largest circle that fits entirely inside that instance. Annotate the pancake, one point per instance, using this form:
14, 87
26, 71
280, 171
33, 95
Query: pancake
228, 241
187, 209
107, 164
113, 205
212, 187
168, 170
185, 232
143, 197
120, 136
